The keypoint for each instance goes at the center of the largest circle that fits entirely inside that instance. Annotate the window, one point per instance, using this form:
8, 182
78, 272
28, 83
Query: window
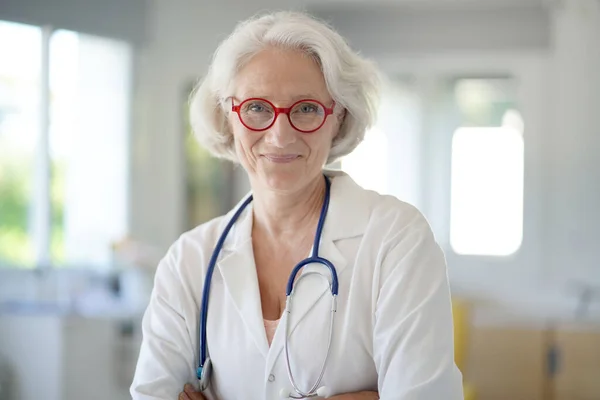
486, 216
64, 109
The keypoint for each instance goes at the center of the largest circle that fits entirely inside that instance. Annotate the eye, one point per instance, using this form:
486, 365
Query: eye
256, 107
307, 108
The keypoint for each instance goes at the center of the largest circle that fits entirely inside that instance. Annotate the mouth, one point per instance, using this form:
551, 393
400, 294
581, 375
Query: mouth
281, 158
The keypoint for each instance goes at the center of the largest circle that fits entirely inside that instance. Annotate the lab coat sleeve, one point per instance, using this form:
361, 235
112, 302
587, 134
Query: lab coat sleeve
166, 356
413, 330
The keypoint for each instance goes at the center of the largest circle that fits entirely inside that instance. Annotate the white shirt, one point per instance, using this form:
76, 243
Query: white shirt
393, 328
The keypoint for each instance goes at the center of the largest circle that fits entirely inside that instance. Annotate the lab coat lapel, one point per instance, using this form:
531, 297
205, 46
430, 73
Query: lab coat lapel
238, 270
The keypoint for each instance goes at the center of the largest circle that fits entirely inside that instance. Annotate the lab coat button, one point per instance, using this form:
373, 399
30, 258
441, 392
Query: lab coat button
271, 378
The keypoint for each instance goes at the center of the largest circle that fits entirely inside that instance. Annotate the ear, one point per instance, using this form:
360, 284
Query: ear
341, 116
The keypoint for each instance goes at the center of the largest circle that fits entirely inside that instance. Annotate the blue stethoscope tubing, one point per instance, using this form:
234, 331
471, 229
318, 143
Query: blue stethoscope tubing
203, 371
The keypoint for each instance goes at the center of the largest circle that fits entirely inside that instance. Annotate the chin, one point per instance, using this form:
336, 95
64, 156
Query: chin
283, 179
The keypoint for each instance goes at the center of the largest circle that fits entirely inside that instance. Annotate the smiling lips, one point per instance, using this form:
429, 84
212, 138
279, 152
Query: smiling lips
281, 158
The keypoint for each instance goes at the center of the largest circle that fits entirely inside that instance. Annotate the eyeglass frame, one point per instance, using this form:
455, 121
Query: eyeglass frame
283, 110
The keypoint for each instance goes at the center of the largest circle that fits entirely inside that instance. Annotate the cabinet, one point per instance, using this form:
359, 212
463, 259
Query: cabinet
578, 369
535, 363
59, 357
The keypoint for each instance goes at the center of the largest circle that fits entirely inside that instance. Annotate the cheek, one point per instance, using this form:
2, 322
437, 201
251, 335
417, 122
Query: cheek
319, 143
244, 139
327, 134
234, 126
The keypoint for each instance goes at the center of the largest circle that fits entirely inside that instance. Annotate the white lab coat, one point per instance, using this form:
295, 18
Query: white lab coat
393, 327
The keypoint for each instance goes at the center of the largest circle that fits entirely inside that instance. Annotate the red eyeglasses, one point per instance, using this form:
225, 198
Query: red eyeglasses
305, 116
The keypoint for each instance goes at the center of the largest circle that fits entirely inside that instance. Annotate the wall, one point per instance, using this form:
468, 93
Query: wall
573, 174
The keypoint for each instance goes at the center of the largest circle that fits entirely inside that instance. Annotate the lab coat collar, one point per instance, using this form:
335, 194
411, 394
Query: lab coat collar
348, 212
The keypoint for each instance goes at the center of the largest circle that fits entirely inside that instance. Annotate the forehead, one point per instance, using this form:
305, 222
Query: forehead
281, 76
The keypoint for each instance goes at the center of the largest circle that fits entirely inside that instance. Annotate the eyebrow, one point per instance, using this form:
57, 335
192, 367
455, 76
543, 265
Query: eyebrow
304, 96
270, 98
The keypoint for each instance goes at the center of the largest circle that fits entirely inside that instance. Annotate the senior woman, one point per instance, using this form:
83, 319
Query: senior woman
285, 96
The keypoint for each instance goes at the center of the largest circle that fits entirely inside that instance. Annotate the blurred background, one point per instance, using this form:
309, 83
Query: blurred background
490, 125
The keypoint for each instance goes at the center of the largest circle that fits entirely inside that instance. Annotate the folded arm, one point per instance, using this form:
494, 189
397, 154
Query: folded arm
413, 330
166, 359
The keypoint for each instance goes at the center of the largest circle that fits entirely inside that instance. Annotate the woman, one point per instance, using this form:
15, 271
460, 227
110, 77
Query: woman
392, 336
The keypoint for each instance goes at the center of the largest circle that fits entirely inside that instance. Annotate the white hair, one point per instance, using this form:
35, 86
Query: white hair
352, 81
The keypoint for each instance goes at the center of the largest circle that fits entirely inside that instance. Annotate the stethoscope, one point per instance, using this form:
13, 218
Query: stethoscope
204, 369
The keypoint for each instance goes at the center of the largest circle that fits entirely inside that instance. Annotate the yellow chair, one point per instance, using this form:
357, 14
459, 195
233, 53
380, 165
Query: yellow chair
460, 314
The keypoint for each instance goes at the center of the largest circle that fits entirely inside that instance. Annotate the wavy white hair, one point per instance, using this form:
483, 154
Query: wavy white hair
352, 81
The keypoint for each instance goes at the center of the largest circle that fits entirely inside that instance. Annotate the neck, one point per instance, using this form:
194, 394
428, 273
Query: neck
277, 214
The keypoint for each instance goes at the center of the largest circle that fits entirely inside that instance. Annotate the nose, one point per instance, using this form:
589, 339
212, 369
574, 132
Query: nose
281, 134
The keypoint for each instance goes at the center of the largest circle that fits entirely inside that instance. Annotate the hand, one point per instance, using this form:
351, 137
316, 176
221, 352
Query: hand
189, 393
357, 396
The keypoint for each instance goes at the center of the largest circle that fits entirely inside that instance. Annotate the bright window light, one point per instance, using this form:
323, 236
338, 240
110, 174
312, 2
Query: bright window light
367, 164
486, 216
90, 83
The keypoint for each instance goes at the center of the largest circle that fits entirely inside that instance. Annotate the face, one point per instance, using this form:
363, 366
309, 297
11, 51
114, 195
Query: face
281, 158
